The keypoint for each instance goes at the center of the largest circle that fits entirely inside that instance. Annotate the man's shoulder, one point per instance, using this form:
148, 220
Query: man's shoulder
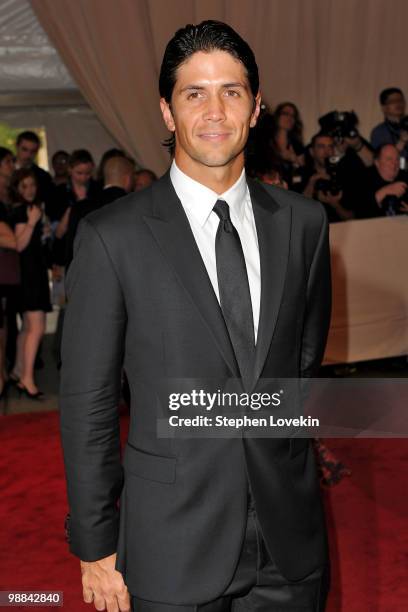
380, 134
40, 172
303, 208
371, 172
379, 127
119, 214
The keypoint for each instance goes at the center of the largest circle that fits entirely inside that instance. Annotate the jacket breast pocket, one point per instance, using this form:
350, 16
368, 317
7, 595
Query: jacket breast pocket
147, 466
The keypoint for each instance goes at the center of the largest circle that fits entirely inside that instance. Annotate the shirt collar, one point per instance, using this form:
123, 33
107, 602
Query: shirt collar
198, 200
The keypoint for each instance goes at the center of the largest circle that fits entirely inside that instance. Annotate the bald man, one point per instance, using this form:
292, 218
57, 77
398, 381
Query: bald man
118, 178
118, 181
384, 192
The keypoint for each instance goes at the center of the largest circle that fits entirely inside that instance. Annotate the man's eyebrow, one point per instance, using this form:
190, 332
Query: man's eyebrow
237, 84
188, 87
201, 87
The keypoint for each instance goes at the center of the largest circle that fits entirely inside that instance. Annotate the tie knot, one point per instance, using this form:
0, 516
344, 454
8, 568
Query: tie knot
222, 210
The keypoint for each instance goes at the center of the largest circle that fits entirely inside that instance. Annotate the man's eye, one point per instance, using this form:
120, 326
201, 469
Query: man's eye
232, 93
193, 95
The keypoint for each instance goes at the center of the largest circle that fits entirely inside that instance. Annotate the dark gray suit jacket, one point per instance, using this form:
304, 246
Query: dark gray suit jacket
139, 296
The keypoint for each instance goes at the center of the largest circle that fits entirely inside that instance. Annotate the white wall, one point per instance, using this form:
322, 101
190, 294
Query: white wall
67, 128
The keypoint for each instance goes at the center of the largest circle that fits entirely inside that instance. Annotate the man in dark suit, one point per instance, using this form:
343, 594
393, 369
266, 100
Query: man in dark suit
204, 275
118, 179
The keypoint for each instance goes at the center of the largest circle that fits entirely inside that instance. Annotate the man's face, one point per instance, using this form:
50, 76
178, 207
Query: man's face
322, 149
60, 164
26, 152
394, 108
81, 173
212, 109
388, 163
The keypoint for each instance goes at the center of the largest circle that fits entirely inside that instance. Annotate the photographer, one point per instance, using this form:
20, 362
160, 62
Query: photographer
353, 152
357, 151
322, 181
394, 129
384, 191
349, 144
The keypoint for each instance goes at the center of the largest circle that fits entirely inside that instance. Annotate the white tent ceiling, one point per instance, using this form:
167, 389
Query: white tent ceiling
37, 90
28, 61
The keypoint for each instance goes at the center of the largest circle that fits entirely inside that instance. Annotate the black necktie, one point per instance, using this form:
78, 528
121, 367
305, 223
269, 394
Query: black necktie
233, 285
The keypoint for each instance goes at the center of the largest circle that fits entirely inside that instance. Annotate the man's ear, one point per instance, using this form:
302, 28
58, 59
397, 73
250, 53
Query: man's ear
167, 115
256, 110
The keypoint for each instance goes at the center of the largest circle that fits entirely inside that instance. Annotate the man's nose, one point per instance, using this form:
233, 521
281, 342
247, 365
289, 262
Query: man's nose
214, 110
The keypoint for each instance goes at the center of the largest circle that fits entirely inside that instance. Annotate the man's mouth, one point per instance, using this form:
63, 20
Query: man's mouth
214, 136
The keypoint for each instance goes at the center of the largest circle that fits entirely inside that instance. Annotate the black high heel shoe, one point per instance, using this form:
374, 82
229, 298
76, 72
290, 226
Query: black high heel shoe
22, 389
13, 379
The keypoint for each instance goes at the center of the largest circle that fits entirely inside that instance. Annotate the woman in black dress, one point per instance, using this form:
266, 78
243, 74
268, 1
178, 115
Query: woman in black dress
32, 232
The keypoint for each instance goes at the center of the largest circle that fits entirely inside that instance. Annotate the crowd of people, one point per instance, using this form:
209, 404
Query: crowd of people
39, 212
39, 215
352, 177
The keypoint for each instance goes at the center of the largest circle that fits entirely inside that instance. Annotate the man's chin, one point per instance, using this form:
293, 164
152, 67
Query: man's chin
216, 160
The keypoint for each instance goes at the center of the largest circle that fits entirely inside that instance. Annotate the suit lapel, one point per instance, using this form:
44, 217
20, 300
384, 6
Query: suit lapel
273, 225
172, 232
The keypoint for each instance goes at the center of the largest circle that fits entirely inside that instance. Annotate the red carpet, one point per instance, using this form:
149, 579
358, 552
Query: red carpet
367, 515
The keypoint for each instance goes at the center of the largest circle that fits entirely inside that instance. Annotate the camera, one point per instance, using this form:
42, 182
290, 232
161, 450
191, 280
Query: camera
391, 206
331, 185
340, 124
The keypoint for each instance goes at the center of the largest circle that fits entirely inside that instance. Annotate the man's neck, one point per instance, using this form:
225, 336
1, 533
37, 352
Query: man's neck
117, 183
26, 164
114, 185
216, 178
79, 186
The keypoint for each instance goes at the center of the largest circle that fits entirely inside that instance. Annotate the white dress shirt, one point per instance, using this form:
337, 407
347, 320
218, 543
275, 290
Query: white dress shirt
198, 202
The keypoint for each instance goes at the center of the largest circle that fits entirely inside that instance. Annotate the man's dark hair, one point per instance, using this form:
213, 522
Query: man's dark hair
58, 154
80, 156
384, 95
207, 36
317, 136
28, 135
